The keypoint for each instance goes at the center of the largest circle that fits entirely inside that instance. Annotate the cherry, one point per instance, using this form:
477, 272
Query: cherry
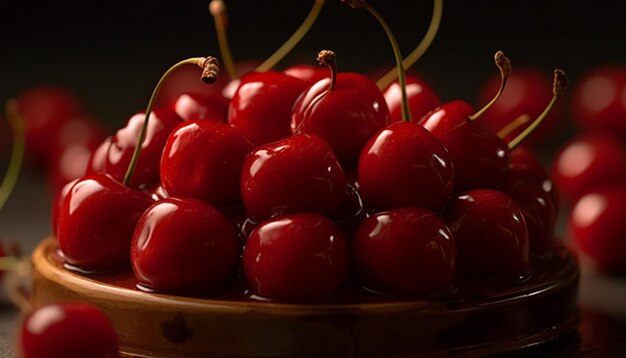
299, 257
98, 159
597, 101
182, 245
490, 234
421, 98
203, 159
407, 251
307, 73
296, 174
345, 110
69, 329
589, 161
122, 147
196, 105
96, 222
597, 226
405, 165
57, 203
261, 107
524, 97
529, 185
44, 110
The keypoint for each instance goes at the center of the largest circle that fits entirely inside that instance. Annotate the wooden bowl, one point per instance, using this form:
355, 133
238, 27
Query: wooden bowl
481, 318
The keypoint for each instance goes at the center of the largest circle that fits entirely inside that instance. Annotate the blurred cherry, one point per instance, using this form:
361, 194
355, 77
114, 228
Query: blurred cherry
422, 99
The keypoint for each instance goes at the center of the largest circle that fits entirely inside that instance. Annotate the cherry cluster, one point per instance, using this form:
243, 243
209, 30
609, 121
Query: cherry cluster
590, 168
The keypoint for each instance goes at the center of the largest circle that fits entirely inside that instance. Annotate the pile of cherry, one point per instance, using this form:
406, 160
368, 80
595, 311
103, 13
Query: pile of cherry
300, 177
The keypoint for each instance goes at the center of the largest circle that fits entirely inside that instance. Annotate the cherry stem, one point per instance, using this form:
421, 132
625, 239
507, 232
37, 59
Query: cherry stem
329, 58
513, 125
559, 87
419, 51
217, 8
17, 153
504, 64
295, 38
210, 71
358, 4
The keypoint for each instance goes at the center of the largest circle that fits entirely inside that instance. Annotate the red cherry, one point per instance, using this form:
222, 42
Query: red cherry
307, 73
261, 107
203, 159
296, 174
345, 110
527, 92
182, 245
300, 257
589, 161
194, 105
479, 157
597, 225
490, 234
408, 251
44, 110
57, 204
123, 144
597, 101
98, 160
535, 194
96, 222
422, 99
405, 165
70, 329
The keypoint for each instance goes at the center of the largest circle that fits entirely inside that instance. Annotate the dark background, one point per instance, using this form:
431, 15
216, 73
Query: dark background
112, 52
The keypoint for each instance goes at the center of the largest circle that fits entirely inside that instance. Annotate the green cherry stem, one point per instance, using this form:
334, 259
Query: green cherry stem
504, 64
17, 154
210, 71
559, 87
295, 38
217, 8
362, 4
421, 48
329, 58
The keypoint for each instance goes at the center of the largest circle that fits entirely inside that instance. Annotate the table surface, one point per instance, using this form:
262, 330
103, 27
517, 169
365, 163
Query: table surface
602, 299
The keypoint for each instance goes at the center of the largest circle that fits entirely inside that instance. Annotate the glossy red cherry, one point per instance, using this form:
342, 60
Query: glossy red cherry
98, 159
195, 105
183, 245
422, 99
96, 222
597, 225
408, 251
297, 174
597, 101
479, 157
123, 144
57, 203
300, 257
69, 329
527, 92
535, 194
45, 109
203, 159
589, 161
307, 73
405, 165
490, 234
261, 107
345, 110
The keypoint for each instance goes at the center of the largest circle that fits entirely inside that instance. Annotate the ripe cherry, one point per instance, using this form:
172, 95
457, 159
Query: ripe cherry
597, 226
422, 99
490, 234
197, 105
183, 245
69, 329
296, 174
261, 107
597, 101
57, 203
203, 159
345, 110
404, 252
589, 161
299, 257
307, 73
405, 165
